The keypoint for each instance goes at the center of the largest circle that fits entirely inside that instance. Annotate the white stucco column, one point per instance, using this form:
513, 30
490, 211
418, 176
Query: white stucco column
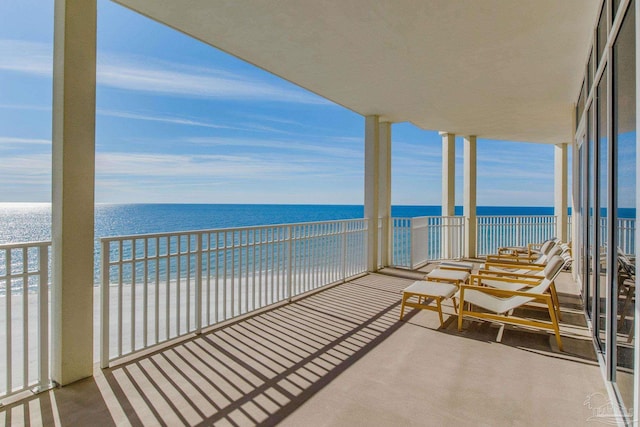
74, 87
561, 179
371, 187
384, 195
448, 173
448, 190
469, 195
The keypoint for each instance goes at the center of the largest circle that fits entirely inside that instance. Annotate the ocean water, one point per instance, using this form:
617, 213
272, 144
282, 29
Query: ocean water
20, 222
29, 222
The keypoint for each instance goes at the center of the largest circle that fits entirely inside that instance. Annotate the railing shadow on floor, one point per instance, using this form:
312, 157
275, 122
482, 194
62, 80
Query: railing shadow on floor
253, 372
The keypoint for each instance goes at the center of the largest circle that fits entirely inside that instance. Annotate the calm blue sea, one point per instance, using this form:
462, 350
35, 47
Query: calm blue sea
30, 222
27, 222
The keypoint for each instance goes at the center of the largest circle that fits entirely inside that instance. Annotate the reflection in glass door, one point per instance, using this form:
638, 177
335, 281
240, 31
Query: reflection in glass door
579, 218
623, 248
600, 247
589, 218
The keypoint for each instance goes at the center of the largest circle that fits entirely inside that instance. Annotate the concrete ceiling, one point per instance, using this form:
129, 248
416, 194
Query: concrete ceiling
500, 69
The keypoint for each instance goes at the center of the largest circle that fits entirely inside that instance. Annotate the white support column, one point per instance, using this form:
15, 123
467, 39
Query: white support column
448, 189
74, 87
469, 203
448, 173
384, 197
371, 188
561, 179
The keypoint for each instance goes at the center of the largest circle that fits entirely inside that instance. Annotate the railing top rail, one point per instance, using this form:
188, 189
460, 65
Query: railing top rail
515, 216
426, 216
21, 245
225, 230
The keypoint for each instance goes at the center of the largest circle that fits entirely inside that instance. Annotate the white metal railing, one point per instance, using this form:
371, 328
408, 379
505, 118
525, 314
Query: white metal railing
498, 231
627, 235
161, 286
24, 317
402, 249
626, 229
421, 239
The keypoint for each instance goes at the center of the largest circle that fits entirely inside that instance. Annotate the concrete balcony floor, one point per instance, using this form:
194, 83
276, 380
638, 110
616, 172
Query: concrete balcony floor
341, 357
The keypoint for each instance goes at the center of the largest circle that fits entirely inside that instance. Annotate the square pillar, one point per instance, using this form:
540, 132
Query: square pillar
73, 152
469, 196
448, 191
561, 179
371, 187
448, 173
384, 195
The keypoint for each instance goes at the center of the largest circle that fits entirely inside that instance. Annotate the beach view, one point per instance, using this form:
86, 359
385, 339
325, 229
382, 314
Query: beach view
229, 213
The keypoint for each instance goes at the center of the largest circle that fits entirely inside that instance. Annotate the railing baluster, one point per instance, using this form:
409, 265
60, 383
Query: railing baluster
145, 296
104, 305
289, 263
239, 272
133, 294
120, 297
217, 281
188, 284
198, 283
25, 317
178, 257
43, 310
156, 307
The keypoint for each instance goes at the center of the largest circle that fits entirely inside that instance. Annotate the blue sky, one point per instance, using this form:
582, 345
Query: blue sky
179, 121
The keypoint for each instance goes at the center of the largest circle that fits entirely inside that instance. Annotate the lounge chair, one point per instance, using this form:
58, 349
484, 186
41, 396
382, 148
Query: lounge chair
550, 249
531, 252
626, 286
499, 304
526, 267
515, 280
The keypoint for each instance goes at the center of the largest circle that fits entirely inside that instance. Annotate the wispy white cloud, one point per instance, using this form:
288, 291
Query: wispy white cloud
171, 79
332, 151
200, 166
146, 75
17, 168
9, 140
163, 119
26, 107
26, 57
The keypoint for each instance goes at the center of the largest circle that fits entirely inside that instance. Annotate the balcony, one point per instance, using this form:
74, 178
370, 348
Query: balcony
284, 324
341, 357
298, 322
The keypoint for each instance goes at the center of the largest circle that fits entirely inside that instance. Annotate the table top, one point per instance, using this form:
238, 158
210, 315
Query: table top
432, 289
457, 264
444, 274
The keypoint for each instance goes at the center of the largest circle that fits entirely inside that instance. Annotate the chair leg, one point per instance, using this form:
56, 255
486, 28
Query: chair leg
440, 312
627, 300
554, 322
624, 305
404, 300
555, 300
461, 311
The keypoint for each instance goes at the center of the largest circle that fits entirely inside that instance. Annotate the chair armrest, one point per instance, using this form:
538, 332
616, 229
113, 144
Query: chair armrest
493, 274
512, 258
506, 264
475, 280
504, 292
